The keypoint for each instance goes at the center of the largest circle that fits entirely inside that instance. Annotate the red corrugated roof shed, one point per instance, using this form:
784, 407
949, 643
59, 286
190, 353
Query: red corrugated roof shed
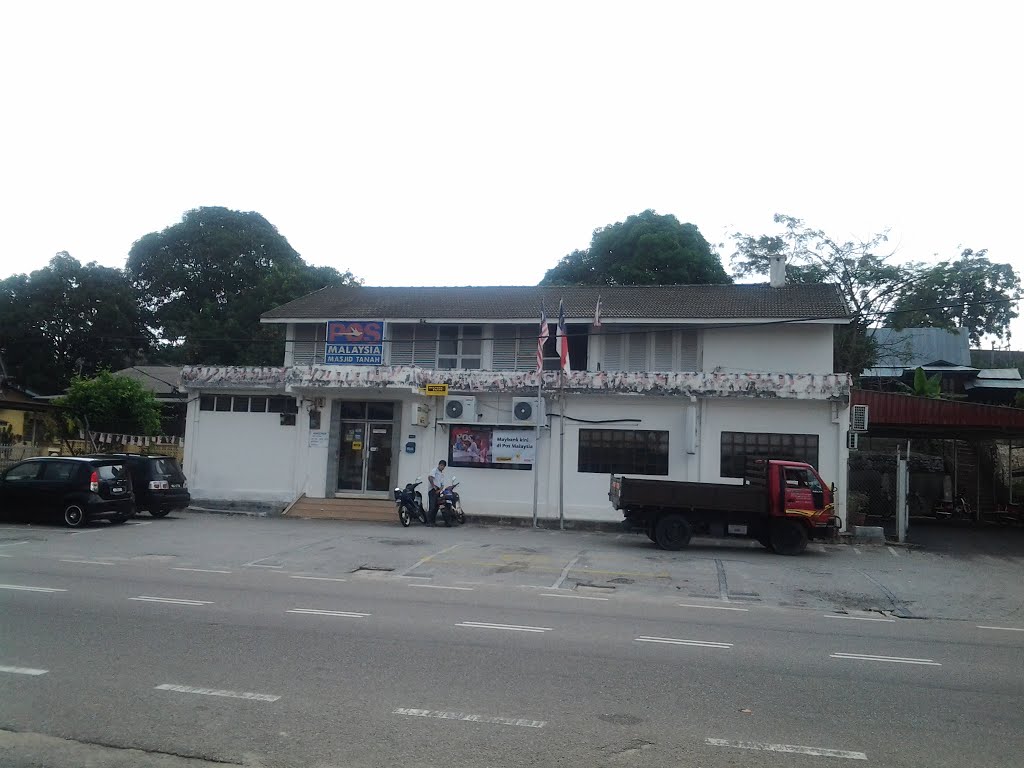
891, 413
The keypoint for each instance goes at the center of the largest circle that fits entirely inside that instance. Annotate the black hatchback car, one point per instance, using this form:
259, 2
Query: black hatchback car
76, 489
160, 485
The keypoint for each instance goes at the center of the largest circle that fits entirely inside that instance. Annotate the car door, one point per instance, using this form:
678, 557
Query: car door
58, 479
19, 486
803, 492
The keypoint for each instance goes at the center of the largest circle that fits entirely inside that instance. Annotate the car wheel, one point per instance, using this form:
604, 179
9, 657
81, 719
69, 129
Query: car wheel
788, 537
118, 519
159, 512
74, 516
672, 532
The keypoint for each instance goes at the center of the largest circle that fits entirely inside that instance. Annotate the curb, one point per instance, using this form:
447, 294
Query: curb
588, 526
235, 512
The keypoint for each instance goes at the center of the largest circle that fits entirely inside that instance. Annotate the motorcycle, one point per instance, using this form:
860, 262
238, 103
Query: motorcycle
450, 505
409, 504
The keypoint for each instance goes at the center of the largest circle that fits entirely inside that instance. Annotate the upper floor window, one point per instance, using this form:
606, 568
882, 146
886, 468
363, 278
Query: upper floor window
459, 346
437, 346
514, 348
649, 349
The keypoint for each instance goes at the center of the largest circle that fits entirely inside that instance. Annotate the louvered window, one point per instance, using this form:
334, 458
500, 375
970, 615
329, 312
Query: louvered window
308, 344
514, 348
413, 345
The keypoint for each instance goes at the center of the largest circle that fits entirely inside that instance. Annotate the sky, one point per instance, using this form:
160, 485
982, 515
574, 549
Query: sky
473, 143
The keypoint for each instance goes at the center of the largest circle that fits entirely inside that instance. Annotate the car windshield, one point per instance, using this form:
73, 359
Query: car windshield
110, 471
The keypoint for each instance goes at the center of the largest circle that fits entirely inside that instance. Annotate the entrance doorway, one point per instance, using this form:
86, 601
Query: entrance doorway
365, 447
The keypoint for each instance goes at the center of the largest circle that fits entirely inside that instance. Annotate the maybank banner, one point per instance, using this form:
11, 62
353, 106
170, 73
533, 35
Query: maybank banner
351, 342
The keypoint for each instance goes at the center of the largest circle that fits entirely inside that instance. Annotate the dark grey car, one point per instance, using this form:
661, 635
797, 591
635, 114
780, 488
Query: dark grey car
75, 489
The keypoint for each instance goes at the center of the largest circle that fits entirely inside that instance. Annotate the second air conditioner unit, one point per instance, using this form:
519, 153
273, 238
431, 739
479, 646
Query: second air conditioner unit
460, 409
853, 440
528, 411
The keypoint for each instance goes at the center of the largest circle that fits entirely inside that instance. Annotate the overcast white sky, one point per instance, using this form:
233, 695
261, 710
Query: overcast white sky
478, 142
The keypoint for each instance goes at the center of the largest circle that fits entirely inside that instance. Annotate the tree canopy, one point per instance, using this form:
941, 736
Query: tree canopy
205, 281
645, 249
109, 403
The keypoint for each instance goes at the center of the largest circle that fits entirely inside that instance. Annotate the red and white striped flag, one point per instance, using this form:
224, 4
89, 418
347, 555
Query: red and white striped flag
542, 338
562, 338
597, 312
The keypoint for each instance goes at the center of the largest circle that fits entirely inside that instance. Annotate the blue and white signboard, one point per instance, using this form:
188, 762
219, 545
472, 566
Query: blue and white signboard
354, 342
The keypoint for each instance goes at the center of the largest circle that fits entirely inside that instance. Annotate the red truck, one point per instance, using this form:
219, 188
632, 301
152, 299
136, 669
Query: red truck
782, 504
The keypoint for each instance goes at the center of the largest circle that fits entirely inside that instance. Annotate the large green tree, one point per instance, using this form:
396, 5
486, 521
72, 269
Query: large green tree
109, 403
205, 281
67, 319
645, 249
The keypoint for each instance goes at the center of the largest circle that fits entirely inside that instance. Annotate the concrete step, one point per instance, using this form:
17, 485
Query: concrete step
363, 510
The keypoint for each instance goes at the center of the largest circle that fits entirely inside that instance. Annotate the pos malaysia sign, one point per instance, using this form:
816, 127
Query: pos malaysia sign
351, 342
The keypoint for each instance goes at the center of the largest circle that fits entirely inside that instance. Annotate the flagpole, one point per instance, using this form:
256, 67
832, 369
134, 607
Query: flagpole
561, 449
536, 444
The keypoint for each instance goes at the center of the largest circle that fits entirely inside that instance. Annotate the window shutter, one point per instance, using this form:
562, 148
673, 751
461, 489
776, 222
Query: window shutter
304, 345
526, 357
401, 344
637, 358
688, 356
612, 351
503, 350
662, 351
425, 346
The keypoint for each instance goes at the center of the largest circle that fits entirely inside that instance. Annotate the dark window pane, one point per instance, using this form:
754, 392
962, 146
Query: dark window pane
23, 472
626, 451
275, 404
738, 447
240, 404
59, 471
223, 403
381, 411
257, 405
353, 411
206, 402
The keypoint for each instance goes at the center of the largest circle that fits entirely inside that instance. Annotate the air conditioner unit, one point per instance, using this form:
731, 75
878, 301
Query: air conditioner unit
853, 440
459, 408
859, 418
528, 411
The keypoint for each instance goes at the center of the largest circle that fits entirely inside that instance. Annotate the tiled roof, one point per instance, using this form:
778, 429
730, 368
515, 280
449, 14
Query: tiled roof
523, 302
161, 380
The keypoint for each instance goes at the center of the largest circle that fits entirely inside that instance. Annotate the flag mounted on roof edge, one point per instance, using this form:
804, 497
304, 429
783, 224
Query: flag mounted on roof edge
597, 312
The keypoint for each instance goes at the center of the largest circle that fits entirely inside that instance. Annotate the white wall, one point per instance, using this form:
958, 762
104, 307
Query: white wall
788, 348
240, 456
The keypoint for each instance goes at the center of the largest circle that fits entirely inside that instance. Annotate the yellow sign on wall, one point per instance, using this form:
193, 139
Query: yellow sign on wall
436, 390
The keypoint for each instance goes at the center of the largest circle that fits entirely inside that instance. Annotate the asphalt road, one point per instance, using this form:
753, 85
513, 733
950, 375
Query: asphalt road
202, 641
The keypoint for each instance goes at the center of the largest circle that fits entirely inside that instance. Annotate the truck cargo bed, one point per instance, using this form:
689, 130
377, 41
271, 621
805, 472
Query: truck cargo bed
634, 493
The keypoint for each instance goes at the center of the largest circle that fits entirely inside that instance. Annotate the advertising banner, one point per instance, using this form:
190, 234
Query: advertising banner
354, 343
486, 447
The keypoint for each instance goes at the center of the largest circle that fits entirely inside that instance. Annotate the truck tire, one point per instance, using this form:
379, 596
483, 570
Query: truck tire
788, 537
672, 532
650, 533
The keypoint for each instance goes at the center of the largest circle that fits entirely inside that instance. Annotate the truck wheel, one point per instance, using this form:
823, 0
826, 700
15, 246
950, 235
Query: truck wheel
788, 537
650, 533
672, 532
766, 542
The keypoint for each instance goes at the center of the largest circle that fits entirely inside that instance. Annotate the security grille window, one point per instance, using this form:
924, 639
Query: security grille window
623, 451
514, 347
737, 447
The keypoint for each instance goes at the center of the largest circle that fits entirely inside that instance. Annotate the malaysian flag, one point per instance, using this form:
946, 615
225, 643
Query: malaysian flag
562, 338
542, 339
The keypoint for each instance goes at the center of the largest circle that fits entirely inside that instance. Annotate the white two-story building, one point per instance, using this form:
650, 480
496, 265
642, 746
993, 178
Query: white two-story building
380, 383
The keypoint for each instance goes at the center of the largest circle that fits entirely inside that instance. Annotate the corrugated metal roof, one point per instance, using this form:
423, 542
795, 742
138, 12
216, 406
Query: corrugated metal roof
995, 384
895, 413
911, 347
523, 302
999, 373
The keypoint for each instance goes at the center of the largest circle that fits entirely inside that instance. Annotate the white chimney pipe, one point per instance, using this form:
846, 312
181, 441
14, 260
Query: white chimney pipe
777, 271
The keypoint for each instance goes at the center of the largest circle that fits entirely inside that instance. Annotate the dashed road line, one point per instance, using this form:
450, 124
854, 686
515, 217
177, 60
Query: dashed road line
171, 600
22, 588
440, 586
88, 562
23, 671
316, 578
1003, 629
217, 692
858, 618
712, 607
91, 530
200, 570
677, 641
893, 552
506, 627
257, 565
791, 748
572, 597
889, 659
13, 544
468, 718
319, 612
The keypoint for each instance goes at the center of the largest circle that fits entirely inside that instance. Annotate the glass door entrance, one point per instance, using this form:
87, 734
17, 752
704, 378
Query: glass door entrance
364, 458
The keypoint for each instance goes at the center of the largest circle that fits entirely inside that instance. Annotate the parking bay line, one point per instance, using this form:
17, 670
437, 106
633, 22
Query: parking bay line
468, 718
440, 586
889, 659
427, 559
316, 578
858, 618
23, 671
200, 570
1003, 629
506, 627
713, 607
268, 697
171, 600
88, 562
573, 597
677, 641
791, 748
318, 612
21, 588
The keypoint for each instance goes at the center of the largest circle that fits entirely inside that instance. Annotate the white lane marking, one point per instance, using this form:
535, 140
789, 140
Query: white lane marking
20, 588
13, 544
318, 612
410, 576
3, 555
574, 597
508, 627
713, 607
565, 572
88, 562
677, 641
857, 618
91, 530
890, 659
216, 692
856, 550
1004, 629
171, 600
427, 559
23, 671
257, 565
440, 586
893, 552
317, 578
200, 570
470, 718
792, 748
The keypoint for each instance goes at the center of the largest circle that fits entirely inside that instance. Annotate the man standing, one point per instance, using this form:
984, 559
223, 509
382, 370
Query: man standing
437, 482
